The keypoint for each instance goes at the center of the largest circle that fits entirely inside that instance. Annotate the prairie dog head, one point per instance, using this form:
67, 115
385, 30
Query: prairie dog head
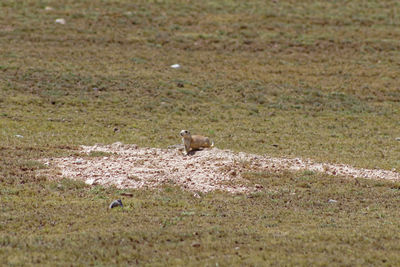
185, 133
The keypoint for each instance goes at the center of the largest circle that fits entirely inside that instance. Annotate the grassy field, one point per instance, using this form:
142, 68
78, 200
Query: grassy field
314, 79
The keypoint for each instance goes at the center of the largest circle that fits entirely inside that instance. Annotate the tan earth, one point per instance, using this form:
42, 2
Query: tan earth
129, 166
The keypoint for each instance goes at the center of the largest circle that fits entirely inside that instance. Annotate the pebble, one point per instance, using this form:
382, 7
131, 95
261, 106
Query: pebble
332, 201
116, 203
175, 66
91, 181
19, 136
196, 245
61, 21
127, 194
397, 138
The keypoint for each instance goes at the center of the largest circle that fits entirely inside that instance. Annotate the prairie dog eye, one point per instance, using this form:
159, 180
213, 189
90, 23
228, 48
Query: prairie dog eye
184, 133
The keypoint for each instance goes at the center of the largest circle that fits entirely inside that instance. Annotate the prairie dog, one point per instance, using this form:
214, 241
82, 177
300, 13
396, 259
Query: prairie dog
192, 142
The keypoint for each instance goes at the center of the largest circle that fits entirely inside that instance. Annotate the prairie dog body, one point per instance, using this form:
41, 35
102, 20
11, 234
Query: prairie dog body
192, 142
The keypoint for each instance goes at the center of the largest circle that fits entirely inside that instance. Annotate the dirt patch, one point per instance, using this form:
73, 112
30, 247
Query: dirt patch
129, 166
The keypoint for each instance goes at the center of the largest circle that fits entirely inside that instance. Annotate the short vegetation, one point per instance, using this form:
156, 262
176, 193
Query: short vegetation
312, 79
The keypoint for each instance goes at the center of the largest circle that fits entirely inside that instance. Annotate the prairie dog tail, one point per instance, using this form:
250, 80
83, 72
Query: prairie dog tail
212, 144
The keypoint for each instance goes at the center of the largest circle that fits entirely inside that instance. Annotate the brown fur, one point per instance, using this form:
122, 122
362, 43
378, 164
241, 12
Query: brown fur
193, 142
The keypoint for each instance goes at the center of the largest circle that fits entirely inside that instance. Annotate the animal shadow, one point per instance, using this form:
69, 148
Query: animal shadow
194, 151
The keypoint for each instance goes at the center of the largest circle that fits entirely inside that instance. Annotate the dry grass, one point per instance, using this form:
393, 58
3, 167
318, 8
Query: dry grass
313, 79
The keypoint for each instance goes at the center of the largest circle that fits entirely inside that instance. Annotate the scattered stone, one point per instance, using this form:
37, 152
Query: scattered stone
116, 203
208, 170
178, 146
175, 66
19, 136
126, 194
196, 244
117, 145
60, 21
397, 138
48, 8
258, 186
332, 201
92, 181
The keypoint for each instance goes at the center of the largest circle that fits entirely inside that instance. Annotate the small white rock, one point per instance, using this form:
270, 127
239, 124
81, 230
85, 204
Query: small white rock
61, 21
19, 136
48, 8
91, 181
397, 138
175, 66
117, 145
332, 201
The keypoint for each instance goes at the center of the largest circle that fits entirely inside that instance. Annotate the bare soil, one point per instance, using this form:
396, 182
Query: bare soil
129, 166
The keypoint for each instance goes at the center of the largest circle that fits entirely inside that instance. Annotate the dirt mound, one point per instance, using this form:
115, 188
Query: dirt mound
128, 166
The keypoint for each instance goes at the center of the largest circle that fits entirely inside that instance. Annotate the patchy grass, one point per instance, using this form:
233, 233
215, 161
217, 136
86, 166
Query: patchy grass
100, 154
286, 223
312, 79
